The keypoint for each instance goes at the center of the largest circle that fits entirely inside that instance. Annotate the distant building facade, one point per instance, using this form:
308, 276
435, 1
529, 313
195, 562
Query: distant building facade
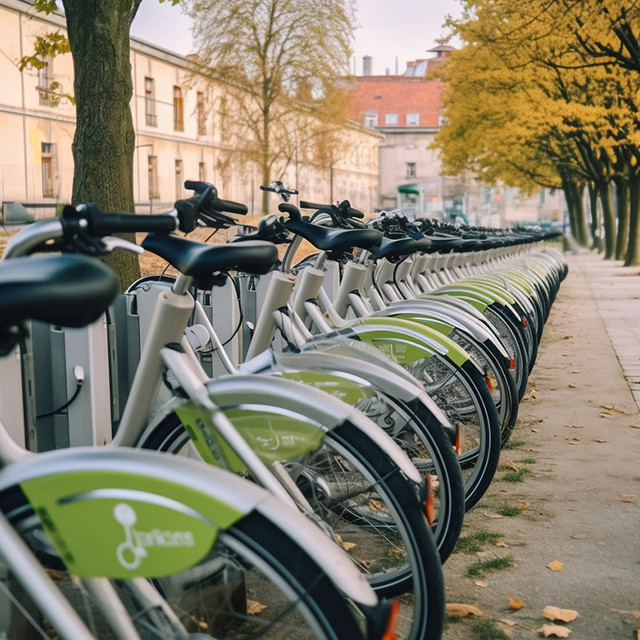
179, 123
408, 110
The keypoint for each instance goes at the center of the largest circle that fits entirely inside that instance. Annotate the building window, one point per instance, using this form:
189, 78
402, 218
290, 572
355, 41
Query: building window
46, 155
179, 179
202, 172
154, 189
391, 118
45, 80
413, 119
178, 109
441, 121
371, 118
150, 103
411, 169
202, 118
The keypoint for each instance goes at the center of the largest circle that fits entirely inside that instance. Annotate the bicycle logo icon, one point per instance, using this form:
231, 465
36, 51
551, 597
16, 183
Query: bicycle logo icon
129, 555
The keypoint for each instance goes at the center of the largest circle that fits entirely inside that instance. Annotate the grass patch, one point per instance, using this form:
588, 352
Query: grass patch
516, 476
478, 569
475, 541
513, 444
487, 629
528, 461
508, 511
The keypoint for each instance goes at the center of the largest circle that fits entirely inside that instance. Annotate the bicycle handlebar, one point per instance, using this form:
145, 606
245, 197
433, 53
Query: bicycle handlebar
104, 224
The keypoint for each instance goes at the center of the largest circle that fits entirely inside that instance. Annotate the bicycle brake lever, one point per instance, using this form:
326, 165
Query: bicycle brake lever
112, 242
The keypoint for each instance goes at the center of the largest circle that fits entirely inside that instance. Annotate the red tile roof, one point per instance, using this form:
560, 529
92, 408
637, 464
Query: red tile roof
396, 94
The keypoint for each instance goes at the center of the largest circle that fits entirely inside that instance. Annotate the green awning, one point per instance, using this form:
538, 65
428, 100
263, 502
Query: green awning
413, 189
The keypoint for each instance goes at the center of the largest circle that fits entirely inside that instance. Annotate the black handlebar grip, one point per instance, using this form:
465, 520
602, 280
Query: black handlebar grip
355, 213
104, 224
291, 209
305, 204
229, 206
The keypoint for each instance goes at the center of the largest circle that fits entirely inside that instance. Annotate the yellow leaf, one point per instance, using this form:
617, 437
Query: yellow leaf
376, 505
488, 514
523, 506
481, 583
501, 544
556, 565
462, 610
554, 613
515, 603
509, 465
627, 497
635, 613
347, 546
554, 630
254, 608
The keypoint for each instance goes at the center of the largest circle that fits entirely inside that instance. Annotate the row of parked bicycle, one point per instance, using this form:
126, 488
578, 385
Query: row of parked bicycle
290, 483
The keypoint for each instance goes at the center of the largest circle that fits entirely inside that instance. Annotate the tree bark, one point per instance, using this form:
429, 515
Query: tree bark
597, 241
609, 219
622, 212
633, 245
104, 140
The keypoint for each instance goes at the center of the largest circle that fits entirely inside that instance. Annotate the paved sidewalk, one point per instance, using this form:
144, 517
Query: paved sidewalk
615, 290
576, 507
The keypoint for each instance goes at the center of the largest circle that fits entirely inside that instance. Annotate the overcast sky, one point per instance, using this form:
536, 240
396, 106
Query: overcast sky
390, 29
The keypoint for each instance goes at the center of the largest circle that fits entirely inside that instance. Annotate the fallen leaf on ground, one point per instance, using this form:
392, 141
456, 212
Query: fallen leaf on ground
606, 415
523, 506
555, 613
510, 465
347, 546
574, 426
627, 497
481, 583
532, 395
502, 545
554, 630
635, 613
556, 565
254, 608
515, 603
462, 610
488, 514
571, 386
599, 440
578, 536
509, 623
376, 505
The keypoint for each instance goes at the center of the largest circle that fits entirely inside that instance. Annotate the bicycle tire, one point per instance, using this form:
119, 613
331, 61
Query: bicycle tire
254, 561
383, 483
463, 396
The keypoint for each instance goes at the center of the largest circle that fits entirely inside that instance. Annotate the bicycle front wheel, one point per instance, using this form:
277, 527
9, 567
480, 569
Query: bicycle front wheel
372, 511
256, 582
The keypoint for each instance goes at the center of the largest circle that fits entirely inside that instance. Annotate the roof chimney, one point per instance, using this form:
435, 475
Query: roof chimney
366, 65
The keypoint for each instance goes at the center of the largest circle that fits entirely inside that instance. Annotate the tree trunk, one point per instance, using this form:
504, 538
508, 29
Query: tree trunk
633, 244
622, 209
596, 223
104, 140
609, 219
577, 222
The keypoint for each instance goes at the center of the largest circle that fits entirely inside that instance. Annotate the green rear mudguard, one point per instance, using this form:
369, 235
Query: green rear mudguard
405, 342
281, 419
124, 513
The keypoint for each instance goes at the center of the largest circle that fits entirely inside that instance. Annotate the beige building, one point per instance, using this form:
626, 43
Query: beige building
180, 131
408, 111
